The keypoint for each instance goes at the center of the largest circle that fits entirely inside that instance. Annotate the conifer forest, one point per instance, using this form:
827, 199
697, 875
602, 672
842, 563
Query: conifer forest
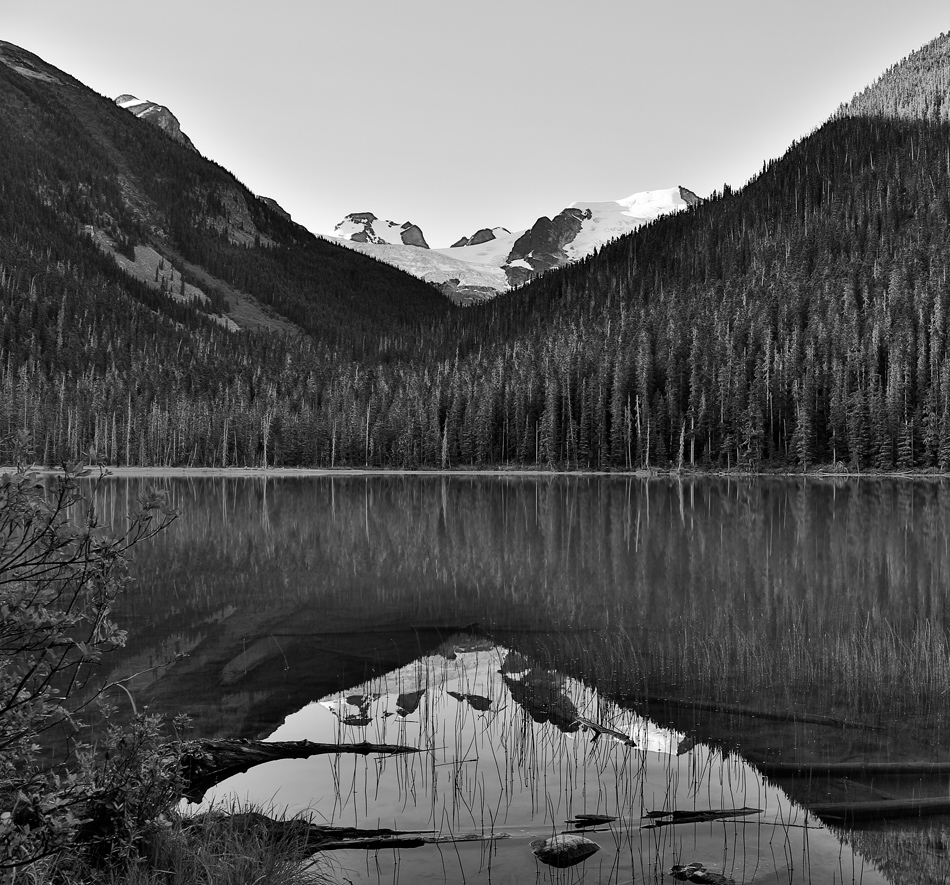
800, 320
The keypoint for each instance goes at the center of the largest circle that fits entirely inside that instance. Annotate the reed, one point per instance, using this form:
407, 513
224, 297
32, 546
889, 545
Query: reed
215, 848
869, 669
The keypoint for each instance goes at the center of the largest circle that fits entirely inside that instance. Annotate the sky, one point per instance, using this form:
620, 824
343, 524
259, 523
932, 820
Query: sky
458, 115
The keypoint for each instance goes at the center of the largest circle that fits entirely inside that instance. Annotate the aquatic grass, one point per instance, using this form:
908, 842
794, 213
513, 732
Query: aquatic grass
869, 669
218, 847
919, 854
508, 769
221, 848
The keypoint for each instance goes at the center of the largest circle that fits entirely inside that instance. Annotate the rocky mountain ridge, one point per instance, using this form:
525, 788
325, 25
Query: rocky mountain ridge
140, 213
160, 116
494, 260
364, 227
157, 115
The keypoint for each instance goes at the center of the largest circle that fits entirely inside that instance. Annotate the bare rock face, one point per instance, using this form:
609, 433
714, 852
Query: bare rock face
565, 850
156, 114
365, 227
690, 198
484, 235
365, 220
542, 246
412, 236
280, 210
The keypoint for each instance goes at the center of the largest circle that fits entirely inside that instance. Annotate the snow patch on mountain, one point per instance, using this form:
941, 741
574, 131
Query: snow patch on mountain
364, 227
493, 252
462, 281
493, 260
614, 218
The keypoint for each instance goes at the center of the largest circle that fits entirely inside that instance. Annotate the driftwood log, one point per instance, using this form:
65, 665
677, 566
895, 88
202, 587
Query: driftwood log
208, 762
307, 838
669, 818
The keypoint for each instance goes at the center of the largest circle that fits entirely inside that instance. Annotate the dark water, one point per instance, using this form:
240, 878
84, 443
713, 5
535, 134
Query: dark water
277, 593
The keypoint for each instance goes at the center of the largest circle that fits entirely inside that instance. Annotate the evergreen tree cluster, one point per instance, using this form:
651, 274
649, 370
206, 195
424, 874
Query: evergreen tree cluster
800, 320
916, 88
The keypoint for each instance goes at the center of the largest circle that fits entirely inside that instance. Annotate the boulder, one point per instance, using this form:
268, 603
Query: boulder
564, 850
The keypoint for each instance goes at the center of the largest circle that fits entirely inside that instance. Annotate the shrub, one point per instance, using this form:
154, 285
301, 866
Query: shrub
60, 572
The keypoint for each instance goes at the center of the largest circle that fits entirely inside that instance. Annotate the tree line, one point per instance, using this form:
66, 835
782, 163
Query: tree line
799, 320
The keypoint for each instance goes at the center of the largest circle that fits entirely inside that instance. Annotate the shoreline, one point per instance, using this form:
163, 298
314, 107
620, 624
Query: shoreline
144, 472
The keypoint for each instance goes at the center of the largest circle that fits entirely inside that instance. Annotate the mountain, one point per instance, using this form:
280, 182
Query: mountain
916, 88
156, 114
573, 233
803, 319
160, 116
172, 220
364, 227
493, 260
150, 303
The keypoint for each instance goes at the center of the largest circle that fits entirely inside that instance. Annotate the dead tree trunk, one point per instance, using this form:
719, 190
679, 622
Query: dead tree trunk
208, 762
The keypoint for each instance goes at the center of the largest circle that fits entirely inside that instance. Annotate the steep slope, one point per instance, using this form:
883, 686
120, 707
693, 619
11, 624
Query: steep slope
160, 116
82, 175
917, 88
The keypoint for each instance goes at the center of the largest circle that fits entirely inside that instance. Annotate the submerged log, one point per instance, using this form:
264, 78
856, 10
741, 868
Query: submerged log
598, 730
404, 840
587, 821
205, 763
668, 818
880, 809
849, 769
307, 838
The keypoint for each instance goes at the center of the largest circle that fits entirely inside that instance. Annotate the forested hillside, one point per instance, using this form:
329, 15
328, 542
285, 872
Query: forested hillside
78, 170
799, 320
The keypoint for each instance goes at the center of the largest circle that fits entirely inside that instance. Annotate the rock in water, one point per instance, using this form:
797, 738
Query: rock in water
696, 872
565, 850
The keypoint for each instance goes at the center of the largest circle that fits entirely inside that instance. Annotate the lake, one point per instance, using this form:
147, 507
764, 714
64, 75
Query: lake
561, 646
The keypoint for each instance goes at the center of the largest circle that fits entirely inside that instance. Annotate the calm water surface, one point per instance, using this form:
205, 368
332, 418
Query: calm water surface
316, 607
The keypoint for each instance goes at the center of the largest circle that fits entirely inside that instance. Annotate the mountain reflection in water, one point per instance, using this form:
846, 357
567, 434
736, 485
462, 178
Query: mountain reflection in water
788, 595
518, 767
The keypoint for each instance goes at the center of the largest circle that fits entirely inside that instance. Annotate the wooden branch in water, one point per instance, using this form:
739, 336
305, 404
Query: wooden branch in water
402, 840
205, 763
668, 818
598, 730
850, 769
880, 809
305, 838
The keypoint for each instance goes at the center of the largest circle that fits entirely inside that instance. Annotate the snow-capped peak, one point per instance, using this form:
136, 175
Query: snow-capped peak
364, 227
494, 259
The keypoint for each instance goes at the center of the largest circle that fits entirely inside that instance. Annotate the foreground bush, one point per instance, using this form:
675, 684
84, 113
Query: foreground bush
209, 849
60, 572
